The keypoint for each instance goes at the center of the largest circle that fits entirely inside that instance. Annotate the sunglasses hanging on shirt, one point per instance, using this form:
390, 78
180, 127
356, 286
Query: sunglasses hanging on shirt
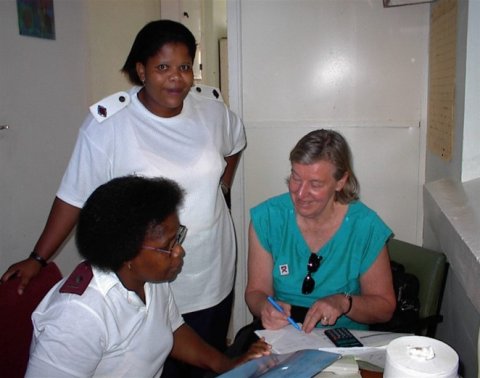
312, 266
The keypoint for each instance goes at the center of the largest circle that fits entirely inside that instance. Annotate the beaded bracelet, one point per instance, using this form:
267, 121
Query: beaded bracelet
35, 256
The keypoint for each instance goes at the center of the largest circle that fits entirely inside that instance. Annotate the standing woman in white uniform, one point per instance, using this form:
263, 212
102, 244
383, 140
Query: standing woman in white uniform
163, 126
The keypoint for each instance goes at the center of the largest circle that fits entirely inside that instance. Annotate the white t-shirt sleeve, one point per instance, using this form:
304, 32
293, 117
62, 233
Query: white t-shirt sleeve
89, 167
235, 134
68, 342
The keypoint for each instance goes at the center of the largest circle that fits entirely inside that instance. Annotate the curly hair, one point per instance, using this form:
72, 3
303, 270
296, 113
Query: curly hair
117, 216
330, 146
150, 39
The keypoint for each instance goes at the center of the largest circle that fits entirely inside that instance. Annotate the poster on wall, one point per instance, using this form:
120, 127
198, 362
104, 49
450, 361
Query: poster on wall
442, 79
36, 18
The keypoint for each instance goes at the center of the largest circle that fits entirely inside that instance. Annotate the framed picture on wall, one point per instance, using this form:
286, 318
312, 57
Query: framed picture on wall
36, 18
399, 3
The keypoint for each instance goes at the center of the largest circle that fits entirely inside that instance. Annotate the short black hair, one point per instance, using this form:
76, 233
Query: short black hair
150, 39
117, 216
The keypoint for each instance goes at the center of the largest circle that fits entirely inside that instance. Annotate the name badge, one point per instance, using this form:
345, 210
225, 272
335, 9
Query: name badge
283, 269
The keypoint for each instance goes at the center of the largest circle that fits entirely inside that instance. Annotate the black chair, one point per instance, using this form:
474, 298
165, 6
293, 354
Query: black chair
430, 267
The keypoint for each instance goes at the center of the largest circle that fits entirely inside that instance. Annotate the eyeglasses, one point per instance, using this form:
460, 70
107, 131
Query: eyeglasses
179, 238
312, 266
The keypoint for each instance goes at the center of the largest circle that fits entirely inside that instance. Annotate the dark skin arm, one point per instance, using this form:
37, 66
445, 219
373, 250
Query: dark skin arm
229, 173
190, 348
60, 223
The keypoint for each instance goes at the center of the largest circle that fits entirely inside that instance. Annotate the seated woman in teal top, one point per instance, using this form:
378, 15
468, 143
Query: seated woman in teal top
318, 247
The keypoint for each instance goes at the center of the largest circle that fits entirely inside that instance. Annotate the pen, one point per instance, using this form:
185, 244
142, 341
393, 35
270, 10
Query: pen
277, 307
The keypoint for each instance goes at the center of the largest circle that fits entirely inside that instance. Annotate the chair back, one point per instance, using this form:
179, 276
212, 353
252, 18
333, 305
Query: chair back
15, 319
430, 267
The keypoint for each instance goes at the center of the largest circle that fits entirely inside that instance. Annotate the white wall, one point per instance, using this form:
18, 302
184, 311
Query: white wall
43, 85
351, 65
45, 89
112, 26
452, 199
471, 133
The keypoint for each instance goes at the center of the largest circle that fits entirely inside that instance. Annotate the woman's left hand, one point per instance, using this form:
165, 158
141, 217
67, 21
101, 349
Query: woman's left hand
326, 311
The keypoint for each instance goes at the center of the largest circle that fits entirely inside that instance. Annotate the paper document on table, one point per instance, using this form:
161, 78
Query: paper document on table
346, 367
289, 339
376, 338
372, 355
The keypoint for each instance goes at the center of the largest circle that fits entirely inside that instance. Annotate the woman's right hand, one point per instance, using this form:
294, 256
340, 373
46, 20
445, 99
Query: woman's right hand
25, 270
60, 223
272, 318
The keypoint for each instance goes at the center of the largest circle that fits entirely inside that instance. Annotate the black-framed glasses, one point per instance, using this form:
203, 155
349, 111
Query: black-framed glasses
179, 238
312, 266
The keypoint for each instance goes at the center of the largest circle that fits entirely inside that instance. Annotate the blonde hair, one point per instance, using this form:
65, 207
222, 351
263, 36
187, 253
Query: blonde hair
331, 146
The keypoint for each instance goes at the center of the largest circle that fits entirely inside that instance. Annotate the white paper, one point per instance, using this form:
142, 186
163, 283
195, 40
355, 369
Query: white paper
289, 339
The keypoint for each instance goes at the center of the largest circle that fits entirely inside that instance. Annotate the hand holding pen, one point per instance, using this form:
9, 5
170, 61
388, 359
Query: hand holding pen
280, 309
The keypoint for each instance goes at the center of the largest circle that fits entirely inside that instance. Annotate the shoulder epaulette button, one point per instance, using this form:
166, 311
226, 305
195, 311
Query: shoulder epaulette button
110, 105
208, 91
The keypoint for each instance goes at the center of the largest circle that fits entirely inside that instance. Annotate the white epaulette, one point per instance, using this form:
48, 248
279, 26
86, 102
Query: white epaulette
208, 91
109, 105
